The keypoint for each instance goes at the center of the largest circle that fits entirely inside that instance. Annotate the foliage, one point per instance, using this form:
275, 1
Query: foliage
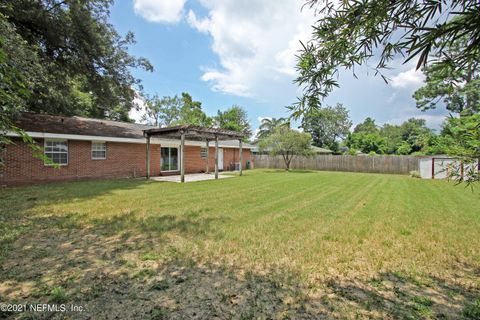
458, 89
85, 65
352, 33
464, 136
268, 125
367, 126
287, 143
19, 66
366, 142
236, 119
170, 111
327, 126
412, 136
415, 174
191, 113
162, 112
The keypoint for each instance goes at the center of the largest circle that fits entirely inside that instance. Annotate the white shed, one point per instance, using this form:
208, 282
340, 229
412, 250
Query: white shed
440, 167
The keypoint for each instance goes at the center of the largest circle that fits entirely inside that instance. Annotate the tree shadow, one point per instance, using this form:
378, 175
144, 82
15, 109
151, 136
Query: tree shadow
293, 171
63, 192
118, 276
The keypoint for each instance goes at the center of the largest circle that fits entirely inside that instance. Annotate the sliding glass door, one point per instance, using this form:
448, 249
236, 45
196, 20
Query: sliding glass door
169, 159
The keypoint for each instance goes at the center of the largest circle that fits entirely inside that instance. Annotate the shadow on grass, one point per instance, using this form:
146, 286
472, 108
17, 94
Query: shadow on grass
137, 276
296, 171
62, 192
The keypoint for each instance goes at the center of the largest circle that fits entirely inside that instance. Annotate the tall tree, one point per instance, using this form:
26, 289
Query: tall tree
19, 68
327, 126
352, 33
234, 118
268, 125
366, 142
288, 143
367, 126
170, 111
87, 66
162, 112
463, 137
415, 134
458, 89
191, 112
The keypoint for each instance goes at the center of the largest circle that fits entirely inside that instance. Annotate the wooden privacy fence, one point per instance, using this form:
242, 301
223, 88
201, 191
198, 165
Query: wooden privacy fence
373, 164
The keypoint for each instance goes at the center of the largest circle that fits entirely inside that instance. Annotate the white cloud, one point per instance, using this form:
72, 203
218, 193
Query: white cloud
260, 119
166, 11
137, 113
255, 41
408, 79
433, 121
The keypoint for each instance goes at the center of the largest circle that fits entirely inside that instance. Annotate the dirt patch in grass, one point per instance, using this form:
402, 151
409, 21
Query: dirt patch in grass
122, 277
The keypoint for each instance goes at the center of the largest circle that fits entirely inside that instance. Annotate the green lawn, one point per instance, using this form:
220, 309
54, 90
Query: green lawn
271, 244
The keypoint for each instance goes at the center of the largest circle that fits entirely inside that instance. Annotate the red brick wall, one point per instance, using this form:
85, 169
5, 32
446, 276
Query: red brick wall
194, 163
123, 160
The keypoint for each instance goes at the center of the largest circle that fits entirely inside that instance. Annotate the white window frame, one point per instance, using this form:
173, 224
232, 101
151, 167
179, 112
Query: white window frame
54, 152
170, 156
105, 149
203, 152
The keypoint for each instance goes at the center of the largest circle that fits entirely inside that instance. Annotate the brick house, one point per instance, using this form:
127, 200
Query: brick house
92, 148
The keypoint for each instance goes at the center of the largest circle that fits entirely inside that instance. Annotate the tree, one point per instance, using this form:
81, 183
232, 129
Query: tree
236, 119
351, 33
327, 126
86, 65
162, 112
367, 126
268, 125
463, 136
287, 143
415, 133
19, 66
191, 113
458, 89
171, 111
366, 142
393, 139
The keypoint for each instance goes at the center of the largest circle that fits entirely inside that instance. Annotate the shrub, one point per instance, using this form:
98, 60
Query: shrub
415, 174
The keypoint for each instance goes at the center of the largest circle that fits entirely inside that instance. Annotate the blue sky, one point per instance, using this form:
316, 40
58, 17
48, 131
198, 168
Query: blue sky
226, 52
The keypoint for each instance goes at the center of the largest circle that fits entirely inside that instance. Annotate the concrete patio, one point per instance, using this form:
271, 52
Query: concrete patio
191, 177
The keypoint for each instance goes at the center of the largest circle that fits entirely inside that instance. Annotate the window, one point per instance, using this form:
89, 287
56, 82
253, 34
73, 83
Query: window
57, 151
203, 153
99, 150
168, 159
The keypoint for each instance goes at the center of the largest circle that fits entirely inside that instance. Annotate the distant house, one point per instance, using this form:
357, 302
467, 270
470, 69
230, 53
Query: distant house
87, 148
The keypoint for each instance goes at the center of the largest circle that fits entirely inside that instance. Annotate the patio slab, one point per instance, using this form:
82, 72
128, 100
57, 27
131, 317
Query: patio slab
191, 177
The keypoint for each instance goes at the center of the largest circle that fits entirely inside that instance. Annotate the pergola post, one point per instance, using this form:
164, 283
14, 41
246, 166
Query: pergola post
241, 157
182, 157
216, 157
208, 154
147, 164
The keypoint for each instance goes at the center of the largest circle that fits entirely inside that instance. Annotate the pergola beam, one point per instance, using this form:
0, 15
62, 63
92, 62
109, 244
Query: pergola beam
191, 132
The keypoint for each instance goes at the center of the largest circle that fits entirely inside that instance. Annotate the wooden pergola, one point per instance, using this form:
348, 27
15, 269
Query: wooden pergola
195, 133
